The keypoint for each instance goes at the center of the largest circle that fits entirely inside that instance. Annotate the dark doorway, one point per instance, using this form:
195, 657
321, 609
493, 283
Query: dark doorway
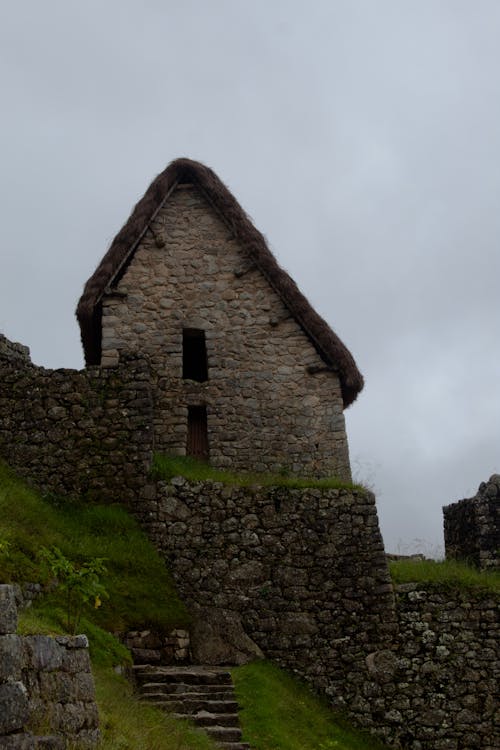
197, 434
194, 355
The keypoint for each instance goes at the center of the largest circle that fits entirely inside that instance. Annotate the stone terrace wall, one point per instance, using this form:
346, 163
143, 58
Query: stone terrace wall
472, 526
300, 575
76, 433
301, 572
46, 687
438, 688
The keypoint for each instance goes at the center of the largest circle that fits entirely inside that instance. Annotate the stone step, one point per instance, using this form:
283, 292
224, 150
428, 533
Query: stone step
206, 719
180, 687
189, 706
188, 675
166, 695
223, 734
202, 695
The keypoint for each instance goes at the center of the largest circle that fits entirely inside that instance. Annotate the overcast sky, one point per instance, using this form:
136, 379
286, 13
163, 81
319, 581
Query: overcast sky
362, 137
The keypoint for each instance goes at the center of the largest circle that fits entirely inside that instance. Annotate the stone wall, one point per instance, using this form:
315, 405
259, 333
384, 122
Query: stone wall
47, 692
300, 575
82, 433
271, 403
437, 688
472, 527
14, 351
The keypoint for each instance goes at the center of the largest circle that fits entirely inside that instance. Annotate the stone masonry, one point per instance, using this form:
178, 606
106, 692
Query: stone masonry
438, 688
271, 403
82, 433
297, 575
47, 695
472, 527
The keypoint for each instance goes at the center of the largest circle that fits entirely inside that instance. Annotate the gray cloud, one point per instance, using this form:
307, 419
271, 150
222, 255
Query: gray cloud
362, 137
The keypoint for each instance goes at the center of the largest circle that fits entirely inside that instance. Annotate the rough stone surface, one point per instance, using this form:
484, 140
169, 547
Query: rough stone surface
217, 637
8, 609
45, 682
439, 686
77, 433
271, 402
11, 657
472, 526
150, 647
18, 741
15, 710
303, 571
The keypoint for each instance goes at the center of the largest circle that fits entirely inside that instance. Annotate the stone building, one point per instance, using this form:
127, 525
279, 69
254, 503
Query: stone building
245, 372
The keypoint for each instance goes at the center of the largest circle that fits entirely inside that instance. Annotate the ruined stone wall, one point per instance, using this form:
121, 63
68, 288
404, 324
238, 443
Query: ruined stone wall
266, 410
472, 527
437, 689
47, 695
82, 433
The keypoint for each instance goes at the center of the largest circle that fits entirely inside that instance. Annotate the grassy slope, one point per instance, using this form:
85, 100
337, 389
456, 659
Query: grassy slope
279, 713
140, 590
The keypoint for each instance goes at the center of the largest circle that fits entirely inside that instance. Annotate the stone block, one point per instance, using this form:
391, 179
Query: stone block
8, 609
18, 741
43, 653
76, 660
15, 708
11, 652
51, 742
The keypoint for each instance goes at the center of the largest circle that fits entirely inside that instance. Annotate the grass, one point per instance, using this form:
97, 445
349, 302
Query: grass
449, 573
140, 590
279, 713
127, 724
167, 467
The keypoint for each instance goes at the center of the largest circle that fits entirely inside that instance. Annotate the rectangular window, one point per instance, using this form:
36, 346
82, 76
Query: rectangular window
194, 355
197, 433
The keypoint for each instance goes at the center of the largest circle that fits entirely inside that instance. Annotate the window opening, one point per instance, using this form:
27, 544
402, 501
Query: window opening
197, 433
194, 355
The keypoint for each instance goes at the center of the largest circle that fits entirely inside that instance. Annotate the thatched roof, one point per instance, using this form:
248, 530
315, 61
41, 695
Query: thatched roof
327, 343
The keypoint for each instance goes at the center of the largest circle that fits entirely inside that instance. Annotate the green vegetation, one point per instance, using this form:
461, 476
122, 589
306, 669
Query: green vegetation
141, 593
127, 724
79, 581
279, 713
450, 573
167, 467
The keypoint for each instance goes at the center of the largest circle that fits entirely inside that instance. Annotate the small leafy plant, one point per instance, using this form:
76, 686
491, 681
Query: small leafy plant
5, 547
80, 583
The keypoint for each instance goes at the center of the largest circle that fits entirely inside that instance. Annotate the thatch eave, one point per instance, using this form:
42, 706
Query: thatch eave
329, 346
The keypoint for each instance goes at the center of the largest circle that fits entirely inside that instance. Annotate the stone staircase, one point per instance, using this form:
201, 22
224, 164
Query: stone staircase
204, 695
